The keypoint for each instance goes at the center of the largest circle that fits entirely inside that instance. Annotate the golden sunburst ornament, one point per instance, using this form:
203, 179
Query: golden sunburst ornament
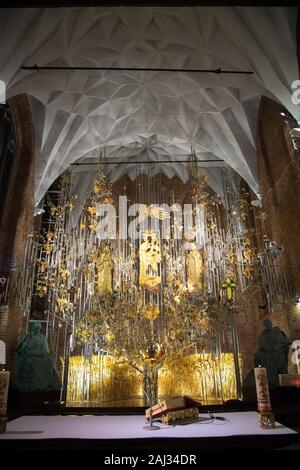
152, 352
109, 337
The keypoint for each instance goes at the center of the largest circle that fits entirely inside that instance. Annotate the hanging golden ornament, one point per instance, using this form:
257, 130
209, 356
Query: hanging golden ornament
64, 273
53, 210
150, 311
248, 254
117, 352
230, 274
83, 334
248, 272
69, 206
93, 226
108, 200
110, 337
48, 248
41, 290
231, 256
61, 303
43, 265
97, 187
133, 311
170, 277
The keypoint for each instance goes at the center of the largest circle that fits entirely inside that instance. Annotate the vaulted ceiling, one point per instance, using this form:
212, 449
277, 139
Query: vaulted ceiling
148, 115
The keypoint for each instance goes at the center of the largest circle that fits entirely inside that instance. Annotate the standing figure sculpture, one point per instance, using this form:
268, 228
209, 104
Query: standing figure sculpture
150, 258
194, 268
35, 370
104, 265
272, 353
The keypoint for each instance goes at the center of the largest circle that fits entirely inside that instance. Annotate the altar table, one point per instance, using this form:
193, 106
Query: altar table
238, 428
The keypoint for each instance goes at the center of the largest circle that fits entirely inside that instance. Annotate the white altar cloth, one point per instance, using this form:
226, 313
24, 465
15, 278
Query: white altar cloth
131, 427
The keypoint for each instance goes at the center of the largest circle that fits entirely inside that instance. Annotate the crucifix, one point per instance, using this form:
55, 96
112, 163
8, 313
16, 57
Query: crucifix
229, 286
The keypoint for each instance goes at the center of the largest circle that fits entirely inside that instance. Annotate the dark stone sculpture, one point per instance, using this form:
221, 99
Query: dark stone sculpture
272, 353
35, 370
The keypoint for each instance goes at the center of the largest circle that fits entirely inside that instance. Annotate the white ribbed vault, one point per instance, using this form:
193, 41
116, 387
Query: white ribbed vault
148, 115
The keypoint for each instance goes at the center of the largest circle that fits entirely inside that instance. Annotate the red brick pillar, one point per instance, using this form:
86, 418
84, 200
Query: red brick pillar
17, 216
279, 177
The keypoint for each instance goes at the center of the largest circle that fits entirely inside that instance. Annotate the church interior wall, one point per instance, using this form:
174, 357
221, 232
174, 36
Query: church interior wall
278, 166
17, 219
279, 177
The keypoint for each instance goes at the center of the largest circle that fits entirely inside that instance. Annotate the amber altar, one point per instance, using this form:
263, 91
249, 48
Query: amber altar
139, 301
108, 383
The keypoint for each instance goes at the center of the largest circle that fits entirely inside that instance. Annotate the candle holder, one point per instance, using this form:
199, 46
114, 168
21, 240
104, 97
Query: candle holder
3, 423
151, 426
4, 382
266, 419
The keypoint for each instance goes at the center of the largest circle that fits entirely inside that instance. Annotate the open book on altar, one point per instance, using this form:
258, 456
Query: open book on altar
171, 404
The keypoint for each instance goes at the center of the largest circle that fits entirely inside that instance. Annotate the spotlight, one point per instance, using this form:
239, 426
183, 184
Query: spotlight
39, 211
272, 248
257, 202
297, 300
295, 136
287, 116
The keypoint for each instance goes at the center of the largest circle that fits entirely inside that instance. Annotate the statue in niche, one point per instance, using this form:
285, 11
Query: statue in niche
194, 269
104, 264
35, 370
150, 257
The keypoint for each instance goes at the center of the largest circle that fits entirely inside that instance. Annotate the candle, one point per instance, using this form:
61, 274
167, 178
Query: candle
265, 416
262, 389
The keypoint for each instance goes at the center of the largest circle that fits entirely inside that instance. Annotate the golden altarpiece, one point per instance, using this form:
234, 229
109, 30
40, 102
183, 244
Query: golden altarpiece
148, 310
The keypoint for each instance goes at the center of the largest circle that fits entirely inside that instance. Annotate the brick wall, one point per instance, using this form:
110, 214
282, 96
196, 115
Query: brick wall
17, 218
279, 176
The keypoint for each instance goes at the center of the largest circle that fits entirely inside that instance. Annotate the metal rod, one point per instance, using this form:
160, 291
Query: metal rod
136, 69
236, 353
141, 162
64, 389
